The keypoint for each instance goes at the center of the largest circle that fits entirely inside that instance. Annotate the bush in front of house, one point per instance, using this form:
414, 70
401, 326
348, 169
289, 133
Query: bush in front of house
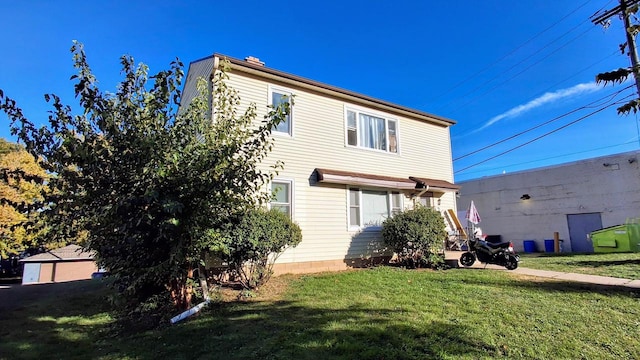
416, 236
252, 242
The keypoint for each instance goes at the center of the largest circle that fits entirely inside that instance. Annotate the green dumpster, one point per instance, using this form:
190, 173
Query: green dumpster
634, 235
620, 238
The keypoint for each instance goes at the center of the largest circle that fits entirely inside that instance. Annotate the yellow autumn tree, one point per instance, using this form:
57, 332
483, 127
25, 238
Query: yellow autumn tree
21, 183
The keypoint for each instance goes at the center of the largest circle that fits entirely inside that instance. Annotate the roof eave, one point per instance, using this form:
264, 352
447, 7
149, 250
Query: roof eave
299, 81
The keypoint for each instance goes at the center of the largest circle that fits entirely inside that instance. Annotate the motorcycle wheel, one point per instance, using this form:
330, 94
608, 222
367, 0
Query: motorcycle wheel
467, 259
512, 263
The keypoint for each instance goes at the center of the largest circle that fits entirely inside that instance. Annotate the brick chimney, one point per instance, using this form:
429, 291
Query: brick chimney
254, 61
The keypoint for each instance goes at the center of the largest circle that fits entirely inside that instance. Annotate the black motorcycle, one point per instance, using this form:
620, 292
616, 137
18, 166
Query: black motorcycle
488, 253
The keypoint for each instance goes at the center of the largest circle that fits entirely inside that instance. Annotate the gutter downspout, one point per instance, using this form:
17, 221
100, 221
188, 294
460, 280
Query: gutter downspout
424, 190
189, 312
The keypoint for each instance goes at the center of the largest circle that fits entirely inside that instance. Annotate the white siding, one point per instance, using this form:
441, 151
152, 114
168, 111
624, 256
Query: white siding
319, 142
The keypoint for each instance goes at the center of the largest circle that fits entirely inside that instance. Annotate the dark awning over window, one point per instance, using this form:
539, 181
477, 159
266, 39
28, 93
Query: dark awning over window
389, 182
360, 179
434, 185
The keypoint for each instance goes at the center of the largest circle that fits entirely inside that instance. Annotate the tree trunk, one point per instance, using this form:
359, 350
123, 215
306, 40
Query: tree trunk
182, 291
202, 275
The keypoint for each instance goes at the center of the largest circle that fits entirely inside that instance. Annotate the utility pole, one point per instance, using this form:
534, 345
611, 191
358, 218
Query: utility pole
631, 43
631, 39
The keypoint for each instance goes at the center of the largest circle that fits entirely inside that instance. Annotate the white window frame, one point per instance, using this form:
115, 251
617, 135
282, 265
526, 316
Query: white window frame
289, 93
428, 198
290, 183
390, 208
387, 118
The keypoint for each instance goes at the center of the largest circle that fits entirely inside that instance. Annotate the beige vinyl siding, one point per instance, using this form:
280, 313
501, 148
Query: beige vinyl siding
318, 141
319, 135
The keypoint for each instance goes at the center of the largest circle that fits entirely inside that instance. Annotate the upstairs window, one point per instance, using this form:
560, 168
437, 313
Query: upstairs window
277, 97
372, 131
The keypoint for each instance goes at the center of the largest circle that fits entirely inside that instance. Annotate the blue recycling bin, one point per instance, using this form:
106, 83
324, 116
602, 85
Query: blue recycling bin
549, 246
529, 246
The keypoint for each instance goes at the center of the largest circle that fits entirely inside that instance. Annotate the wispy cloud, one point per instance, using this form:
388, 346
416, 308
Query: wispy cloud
544, 99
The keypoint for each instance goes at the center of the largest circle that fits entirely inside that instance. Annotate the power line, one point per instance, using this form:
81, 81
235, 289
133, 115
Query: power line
603, 19
576, 73
514, 50
545, 134
524, 60
459, 106
612, 95
557, 156
600, 19
579, 72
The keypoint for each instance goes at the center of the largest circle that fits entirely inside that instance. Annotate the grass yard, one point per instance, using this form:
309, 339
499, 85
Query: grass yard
381, 313
621, 265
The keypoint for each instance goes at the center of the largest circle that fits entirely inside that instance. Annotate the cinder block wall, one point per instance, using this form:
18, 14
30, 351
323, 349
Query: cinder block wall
608, 185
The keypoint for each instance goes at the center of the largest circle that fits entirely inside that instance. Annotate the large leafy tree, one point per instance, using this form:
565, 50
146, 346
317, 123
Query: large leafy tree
22, 182
146, 181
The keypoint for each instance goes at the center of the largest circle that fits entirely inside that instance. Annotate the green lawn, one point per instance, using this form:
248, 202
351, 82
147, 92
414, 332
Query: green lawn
625, 265
381, 313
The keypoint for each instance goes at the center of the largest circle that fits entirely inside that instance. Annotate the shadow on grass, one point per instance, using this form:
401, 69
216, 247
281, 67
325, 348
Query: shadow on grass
47, 321
552, 285
79, 329
284, 330
554, 255
18, 296
576, 254
600, 263
10, 280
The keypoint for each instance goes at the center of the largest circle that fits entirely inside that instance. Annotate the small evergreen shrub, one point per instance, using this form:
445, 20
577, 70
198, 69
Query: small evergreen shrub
252, 243
416, 236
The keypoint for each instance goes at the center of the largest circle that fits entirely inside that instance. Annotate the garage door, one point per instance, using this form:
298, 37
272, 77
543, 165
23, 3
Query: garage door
580, 226
31, 274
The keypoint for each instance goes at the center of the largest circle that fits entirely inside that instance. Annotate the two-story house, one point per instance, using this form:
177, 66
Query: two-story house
350, 161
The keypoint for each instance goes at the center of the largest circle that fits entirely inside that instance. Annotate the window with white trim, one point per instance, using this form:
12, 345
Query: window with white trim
369, 208
396, 203
277, 97
281, 196
425, 200
371, 131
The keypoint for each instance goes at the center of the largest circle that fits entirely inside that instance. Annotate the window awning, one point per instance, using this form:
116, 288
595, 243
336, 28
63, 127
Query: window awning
360, 179
434, 185
389, 182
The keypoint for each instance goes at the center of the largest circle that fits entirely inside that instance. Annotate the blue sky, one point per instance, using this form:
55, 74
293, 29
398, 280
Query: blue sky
497, 67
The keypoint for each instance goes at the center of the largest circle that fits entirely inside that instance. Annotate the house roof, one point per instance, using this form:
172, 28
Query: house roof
276, 75
67, 253
360, 179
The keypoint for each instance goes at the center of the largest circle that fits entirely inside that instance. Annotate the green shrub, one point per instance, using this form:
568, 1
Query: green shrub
416, 236
252, 242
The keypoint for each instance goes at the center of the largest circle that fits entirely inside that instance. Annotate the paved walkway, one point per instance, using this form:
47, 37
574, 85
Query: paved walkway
583, 278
